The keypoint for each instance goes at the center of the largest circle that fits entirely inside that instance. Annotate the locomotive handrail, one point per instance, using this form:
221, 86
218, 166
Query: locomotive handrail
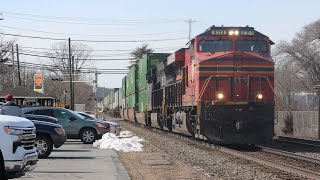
204, 87
276, 98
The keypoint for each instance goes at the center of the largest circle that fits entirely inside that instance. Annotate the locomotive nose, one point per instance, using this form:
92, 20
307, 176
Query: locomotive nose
238, 76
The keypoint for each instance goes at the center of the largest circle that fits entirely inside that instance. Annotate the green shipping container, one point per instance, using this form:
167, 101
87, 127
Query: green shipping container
131, 81
147, 62
123, 87
131, 101
142, 100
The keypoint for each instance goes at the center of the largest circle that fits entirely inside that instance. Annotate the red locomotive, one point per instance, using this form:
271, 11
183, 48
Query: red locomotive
220, 88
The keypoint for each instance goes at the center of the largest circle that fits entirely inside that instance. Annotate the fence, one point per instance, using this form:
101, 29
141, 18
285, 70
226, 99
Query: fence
305, 124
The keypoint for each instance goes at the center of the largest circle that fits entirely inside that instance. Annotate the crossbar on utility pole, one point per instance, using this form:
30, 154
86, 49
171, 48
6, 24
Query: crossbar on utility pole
18, 61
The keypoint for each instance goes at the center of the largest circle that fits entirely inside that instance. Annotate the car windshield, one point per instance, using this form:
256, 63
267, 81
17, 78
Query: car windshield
251, 46
87, 116
214, 45
76, 114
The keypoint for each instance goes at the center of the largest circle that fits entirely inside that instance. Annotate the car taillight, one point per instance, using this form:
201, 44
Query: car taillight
60, 130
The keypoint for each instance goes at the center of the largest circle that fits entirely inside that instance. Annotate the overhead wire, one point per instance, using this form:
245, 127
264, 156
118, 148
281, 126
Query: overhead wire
101, 50
89, 59
94, 35
82, 18
95, 41
85, 70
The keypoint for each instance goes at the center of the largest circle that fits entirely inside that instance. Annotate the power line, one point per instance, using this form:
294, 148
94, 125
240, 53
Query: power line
87, 23
101, 50
96, 41
94, 35
90, 19
82, 70
89, 59
61, 54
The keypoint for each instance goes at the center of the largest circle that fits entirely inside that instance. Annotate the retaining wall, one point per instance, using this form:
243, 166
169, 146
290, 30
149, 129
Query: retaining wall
305, 124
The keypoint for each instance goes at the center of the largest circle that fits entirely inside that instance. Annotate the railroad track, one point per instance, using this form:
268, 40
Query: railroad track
300, 168
301, 142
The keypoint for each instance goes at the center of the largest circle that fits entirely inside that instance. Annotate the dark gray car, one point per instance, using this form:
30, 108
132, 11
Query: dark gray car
75, 125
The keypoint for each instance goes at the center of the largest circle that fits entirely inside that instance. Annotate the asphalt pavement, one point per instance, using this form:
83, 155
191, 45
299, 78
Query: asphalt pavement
75, 160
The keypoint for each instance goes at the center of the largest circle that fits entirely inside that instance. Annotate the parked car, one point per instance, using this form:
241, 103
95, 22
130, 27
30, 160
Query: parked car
41, 118
114, 126
75, 125
17, 145
48, 135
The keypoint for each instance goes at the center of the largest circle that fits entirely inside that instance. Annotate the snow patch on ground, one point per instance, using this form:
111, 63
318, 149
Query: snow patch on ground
126, 142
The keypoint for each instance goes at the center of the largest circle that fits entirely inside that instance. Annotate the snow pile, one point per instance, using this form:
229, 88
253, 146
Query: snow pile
126, 142
126, 134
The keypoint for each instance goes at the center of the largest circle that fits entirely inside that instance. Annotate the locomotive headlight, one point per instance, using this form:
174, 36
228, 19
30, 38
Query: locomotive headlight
236, 33
220, 95
231, 33
259, 96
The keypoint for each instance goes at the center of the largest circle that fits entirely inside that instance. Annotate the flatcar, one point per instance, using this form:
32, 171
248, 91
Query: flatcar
219, 89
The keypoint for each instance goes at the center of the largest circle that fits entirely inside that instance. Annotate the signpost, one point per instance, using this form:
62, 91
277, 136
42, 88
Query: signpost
38, 83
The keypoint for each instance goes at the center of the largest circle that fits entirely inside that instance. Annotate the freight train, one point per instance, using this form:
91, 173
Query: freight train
220, 88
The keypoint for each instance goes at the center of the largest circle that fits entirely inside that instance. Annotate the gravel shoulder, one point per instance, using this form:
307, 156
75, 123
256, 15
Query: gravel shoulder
211, 162
155, 164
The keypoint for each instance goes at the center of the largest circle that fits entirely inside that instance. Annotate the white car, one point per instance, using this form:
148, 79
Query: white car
114, 126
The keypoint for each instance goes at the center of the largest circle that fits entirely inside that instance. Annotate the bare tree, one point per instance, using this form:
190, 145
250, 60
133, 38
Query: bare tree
6, 67
60, 54
304, 51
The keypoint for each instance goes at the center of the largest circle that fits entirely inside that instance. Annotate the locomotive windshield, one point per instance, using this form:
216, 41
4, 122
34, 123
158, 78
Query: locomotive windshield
252, 46
215, 45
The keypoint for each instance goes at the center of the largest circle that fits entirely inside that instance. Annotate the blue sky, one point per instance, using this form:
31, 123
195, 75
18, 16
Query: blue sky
279, 20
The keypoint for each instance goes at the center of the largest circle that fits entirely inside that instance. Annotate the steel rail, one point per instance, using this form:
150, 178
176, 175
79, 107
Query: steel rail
289, 154
298, 141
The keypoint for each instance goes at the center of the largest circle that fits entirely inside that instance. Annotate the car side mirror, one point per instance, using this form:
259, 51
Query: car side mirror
71, 118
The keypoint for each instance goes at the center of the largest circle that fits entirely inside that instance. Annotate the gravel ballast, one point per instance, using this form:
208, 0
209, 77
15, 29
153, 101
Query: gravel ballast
211, 162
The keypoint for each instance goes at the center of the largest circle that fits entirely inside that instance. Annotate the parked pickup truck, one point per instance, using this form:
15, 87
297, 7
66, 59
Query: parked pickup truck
17, 145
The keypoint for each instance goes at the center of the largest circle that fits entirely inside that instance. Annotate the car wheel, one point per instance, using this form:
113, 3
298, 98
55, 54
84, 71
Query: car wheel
44, 146
2, 169
88, 136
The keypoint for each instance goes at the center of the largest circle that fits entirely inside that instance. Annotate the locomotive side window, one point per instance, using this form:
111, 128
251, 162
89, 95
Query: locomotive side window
215, 45
251, 46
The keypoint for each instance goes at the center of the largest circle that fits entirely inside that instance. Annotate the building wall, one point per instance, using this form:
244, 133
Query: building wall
305, 124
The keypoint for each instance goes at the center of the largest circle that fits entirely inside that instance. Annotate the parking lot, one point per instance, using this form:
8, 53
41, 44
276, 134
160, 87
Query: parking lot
75, 160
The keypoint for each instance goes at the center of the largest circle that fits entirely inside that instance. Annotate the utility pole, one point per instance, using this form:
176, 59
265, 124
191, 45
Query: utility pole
318, 94
73, 84
70, 75
96, 87
19, 77
190, 21
14, 68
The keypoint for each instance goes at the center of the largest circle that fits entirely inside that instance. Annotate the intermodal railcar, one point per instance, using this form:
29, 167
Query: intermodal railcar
219, 88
